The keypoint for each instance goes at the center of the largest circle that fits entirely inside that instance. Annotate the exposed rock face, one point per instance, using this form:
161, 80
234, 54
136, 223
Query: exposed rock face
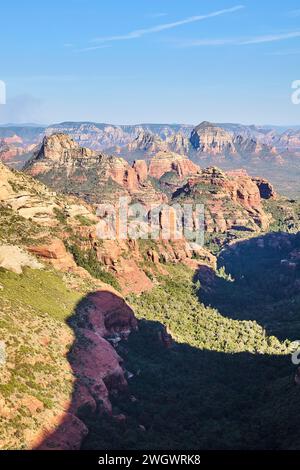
60, 154
231, 200
29, 199
14, 259
95, 364
14, 150
34, 201
67, 167
123, 258
8, 151
179, 143
108, 136
148, 143
85, 356
144, 140
288, 141
266, 189
249, 146
58, 149
164, 162
55, 253
141, 169
17, 143
68, 433
208, 138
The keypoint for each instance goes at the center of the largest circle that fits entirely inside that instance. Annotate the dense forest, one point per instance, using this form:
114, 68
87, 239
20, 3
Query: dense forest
227, 381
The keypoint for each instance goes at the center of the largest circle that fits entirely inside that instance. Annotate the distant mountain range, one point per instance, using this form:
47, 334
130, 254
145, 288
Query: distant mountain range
270, 151
207, 138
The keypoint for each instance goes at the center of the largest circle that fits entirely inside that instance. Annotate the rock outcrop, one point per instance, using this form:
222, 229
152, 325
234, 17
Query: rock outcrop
165, 162
15, 259
67, 167
144, 140
208, 138
231, 200
100, 321
219, 141
266, 189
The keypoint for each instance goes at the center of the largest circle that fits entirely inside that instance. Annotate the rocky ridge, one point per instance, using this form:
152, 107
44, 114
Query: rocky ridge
233, 199
141, 141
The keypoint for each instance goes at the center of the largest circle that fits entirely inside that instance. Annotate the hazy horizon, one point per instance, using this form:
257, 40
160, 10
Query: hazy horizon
189, 124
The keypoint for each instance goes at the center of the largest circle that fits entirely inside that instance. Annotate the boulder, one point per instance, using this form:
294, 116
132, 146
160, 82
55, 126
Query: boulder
15, 259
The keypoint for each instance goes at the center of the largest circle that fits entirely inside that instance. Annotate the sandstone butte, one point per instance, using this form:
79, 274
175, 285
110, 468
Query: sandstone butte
65, 166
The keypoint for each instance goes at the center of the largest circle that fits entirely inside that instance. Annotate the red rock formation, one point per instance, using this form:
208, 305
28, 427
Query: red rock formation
211, 139
63, 164
266, 189
164, 162
55, 252
96, 366
231, 199
140, 167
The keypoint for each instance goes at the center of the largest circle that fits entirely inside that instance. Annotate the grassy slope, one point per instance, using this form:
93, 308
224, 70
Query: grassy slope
34, 307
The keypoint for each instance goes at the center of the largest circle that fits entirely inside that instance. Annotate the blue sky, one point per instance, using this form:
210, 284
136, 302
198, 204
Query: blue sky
150, 61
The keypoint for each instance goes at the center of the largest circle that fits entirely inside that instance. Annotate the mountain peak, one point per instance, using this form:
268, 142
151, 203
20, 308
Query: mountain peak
205, 124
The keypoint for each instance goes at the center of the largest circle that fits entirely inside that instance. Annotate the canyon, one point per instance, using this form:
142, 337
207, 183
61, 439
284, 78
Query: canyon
99, 333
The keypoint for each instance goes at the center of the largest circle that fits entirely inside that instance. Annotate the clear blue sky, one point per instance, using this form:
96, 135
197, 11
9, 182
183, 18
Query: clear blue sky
129, 61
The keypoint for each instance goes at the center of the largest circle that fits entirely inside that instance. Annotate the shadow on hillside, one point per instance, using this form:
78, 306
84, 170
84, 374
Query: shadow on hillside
95, 363
178, 397
259, 280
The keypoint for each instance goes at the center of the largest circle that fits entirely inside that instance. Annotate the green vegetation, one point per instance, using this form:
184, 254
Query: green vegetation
43, 291
16, 229
264, 289
34, 308
175, 304
285, 213
60, 215
226, 383
83, 220
88, 260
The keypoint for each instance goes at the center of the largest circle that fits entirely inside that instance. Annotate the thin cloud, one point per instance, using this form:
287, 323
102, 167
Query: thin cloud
163, 27
271, 38
241, 41
92, 48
